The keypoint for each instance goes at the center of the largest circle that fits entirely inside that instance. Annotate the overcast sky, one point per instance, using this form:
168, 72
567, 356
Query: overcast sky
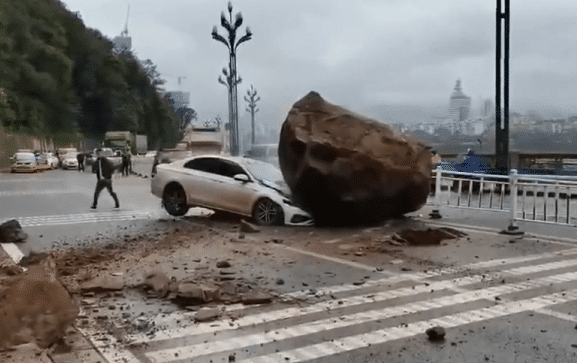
371, 56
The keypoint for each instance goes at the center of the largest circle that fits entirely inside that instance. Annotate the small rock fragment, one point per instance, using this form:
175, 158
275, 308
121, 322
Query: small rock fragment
256, 298
247, 227
223, 264
158, 282
436, 334
207, 314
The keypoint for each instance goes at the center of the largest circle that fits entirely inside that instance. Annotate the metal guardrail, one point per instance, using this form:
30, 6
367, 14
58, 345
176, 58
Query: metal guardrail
533, 198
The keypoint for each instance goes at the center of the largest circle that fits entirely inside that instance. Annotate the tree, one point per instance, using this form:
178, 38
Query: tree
183, 118
61, 78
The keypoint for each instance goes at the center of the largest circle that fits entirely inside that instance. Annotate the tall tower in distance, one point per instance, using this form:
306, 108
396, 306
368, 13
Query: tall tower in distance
459, 105
123, 43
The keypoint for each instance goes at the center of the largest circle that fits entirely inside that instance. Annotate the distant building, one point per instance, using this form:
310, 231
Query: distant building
122, 43
459, 105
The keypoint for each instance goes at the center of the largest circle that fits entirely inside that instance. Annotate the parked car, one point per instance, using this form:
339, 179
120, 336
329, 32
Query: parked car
24, 162
233, 184
70, 162
52, 160
66, 152
43, 162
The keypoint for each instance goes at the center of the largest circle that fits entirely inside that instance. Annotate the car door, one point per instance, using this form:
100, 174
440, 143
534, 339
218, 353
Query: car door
200, 179
238, 196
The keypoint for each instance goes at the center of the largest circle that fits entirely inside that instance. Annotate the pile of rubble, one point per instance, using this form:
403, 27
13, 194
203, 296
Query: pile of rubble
43, 295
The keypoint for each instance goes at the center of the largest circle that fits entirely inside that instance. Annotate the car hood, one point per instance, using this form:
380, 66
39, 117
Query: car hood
279, 186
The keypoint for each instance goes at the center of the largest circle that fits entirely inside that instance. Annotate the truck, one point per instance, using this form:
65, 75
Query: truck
141, 144
126, 141
202, 139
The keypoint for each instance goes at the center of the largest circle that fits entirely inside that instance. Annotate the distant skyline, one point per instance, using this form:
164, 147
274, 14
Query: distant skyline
391, 60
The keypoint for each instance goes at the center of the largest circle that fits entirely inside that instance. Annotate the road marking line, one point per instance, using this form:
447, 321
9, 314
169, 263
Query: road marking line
451, 285
354, 342
338, 260
557, 314
346, 320
13, 251
287, 313
420, 276
40, 192
105, 344
37, 221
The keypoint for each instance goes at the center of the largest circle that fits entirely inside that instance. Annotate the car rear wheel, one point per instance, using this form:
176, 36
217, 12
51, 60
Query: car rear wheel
174, 201
267, 213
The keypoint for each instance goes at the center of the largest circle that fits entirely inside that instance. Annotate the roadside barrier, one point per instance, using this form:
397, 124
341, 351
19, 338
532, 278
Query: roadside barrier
526, 197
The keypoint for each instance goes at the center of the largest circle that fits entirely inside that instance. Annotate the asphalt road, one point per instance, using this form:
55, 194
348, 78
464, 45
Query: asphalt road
53, 206
347, 296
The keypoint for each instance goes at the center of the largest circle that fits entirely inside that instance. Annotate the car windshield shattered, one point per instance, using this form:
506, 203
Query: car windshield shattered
267, 174
263, 171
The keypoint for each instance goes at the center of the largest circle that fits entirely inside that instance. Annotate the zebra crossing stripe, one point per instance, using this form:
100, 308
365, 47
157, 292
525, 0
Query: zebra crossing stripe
441, 272
40, 192
54, 220
364, 299
344, 320
106, 344
350, 343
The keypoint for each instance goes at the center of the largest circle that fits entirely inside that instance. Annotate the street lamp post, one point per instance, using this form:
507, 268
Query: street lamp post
252, 99
502, 128
232, 80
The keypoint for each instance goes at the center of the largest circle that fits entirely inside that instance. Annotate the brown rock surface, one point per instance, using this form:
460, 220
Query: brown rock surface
348, 169
35, 307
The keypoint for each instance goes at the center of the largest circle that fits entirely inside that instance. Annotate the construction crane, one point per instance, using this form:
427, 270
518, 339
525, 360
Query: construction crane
125, 31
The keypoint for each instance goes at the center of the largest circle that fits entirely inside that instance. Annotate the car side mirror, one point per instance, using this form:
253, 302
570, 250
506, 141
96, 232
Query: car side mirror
242, 178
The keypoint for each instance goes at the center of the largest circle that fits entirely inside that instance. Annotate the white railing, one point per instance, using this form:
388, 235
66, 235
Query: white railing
535, 198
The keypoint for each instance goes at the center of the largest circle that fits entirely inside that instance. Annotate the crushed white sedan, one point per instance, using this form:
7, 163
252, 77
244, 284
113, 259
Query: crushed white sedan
232, 184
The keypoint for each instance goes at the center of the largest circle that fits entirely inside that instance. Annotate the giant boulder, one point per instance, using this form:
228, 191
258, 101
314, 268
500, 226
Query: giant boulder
348, 169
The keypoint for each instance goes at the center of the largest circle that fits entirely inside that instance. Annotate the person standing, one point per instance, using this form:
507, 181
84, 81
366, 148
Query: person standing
124, 164
103, 169
80, 158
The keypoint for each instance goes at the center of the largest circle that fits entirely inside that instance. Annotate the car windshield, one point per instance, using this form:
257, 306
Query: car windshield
263, 171
42, 157
24, 157
104, 152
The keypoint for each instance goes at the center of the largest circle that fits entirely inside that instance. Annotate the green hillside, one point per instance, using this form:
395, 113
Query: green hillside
59, 79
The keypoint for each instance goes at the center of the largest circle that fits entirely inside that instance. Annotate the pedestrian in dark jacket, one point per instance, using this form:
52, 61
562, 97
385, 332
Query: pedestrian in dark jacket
104, 170
80, 158
124, 165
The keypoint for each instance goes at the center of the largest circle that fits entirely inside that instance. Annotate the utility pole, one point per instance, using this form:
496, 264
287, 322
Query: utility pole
232, 80
502, 130
252, 99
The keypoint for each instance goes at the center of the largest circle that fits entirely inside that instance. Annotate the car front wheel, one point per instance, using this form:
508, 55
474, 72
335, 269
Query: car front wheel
267, 213
174, 201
